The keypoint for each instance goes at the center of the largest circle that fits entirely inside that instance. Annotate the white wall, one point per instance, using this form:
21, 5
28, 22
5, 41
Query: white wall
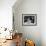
43, 22
6, 13
28, 7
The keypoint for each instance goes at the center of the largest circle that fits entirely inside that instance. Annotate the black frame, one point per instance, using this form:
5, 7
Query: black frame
35, 15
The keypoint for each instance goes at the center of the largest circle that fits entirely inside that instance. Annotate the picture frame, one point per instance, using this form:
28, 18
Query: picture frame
29, 19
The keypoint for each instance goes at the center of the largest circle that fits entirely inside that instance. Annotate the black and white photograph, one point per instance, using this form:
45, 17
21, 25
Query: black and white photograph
29, 19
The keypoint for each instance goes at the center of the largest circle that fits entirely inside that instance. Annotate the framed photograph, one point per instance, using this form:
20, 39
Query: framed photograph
29, 19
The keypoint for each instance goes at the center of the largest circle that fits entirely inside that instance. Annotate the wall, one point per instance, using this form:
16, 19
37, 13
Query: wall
43, 22
28, 7
6, 13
